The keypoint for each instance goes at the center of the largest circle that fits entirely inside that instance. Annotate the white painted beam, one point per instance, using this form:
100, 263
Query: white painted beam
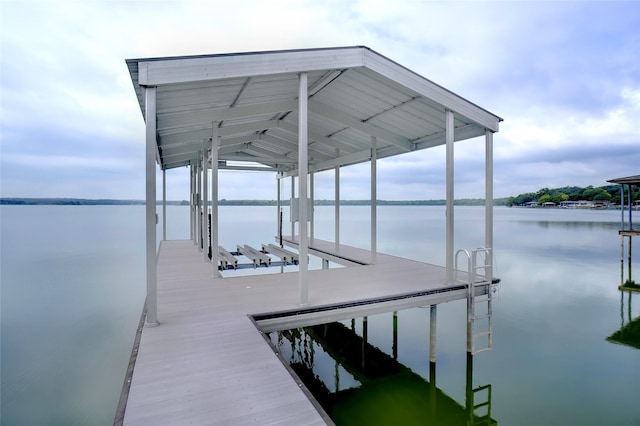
164, 205
205, 201
462, 133
214, 67
450, 194
215, 231
374, 200
150, 205
337, 204
488, 230
302, 190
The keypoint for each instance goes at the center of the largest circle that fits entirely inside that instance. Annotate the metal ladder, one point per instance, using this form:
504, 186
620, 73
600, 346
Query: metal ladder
479, 275
480, 413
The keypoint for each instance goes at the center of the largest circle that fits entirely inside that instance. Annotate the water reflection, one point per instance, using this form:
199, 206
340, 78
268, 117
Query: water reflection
357, 383
629, 332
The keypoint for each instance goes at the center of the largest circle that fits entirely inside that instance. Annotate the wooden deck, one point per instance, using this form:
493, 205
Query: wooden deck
207, 363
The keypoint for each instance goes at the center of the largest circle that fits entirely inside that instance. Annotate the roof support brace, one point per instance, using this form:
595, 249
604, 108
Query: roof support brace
215, 144
302, 189
449, 190
151, 217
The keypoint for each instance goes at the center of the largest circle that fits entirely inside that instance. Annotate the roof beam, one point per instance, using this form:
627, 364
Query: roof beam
317, 137
278, 142
213, 67
177, 120
461, 133
225, 132
357, 124
403, 76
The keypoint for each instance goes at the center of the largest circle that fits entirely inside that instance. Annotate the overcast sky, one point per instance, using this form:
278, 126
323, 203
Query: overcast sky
564, 76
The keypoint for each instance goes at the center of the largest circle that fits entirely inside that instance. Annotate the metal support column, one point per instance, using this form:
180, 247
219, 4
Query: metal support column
150, 204
198, 205
192, 202
205, 201
337, 203
279, 209
374, 199
433, 327
293, 195
215, 145
449, 189
302, 186
164, 205
488, 204
311, 213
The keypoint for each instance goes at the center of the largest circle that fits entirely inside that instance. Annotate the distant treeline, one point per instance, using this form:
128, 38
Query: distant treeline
224, 202
607, 193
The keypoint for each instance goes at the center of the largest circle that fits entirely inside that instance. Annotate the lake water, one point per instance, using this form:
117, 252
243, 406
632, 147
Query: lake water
73, 283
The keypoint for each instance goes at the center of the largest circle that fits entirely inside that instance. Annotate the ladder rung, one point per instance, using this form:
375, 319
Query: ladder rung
481, 350
481, 388
481, 317
482, 404
484, 333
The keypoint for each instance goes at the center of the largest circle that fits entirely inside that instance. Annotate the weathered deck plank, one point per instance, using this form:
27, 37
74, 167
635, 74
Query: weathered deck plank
208, 364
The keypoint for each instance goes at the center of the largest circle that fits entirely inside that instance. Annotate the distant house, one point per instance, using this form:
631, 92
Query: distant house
580, 204
531, 204
549, 204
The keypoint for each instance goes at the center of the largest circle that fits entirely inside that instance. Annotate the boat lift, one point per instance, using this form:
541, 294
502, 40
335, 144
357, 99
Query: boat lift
229, 259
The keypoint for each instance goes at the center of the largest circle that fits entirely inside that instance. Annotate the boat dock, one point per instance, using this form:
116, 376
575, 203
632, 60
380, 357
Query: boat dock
202, 356
208, 362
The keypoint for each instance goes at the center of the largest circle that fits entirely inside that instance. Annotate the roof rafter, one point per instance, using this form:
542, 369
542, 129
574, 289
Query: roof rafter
355, 123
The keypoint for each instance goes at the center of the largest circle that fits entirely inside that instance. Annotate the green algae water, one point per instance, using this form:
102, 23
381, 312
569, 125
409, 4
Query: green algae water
72, 283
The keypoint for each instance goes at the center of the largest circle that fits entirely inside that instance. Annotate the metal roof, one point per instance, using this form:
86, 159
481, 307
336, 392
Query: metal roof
354, 94
629, 180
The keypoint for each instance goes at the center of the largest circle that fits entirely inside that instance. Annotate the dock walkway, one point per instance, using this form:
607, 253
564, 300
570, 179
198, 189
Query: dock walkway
207, 363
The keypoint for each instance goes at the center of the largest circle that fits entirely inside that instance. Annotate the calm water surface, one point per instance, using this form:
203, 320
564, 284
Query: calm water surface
73, 286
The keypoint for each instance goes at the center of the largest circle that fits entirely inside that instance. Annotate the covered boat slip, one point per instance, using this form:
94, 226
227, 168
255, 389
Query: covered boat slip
293, 113
208, 363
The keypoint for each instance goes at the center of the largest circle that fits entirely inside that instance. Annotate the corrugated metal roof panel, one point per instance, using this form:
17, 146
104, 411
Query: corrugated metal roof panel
354, 94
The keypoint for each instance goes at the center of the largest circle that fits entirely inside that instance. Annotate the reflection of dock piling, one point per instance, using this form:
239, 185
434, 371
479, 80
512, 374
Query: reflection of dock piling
629, 333
388, 389
626, 228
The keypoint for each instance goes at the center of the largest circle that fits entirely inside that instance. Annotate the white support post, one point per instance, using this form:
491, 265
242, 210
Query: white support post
293, 195
311, 213
449, 129
150, 171
192, 203
488, 204
215, 145
374, 199
433, 330
191, 234
279, 207
198, 216
164, 205
337, 203
205, 202
302, 186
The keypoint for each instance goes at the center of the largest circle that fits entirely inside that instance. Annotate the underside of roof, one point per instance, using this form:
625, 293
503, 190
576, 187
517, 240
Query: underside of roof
354, 94
629, 180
